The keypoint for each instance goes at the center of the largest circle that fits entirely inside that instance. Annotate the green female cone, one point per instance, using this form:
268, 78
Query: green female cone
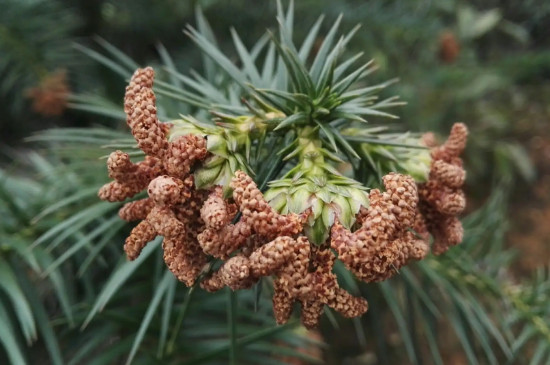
328, 203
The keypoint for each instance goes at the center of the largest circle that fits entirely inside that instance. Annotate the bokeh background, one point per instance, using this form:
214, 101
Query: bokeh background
485, 63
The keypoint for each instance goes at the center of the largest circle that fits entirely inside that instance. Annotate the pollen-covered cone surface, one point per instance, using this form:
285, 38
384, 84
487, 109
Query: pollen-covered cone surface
257, 212
184, 257
220, 238
129, 178
164, 192
136, 210
241, 271
382, 244
313, 289
289, 261
174, 158
171, 216
141, 112
326, 287
441, 197
172, 209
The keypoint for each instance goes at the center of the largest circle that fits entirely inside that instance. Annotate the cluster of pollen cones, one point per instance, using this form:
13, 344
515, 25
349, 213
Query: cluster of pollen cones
200, 224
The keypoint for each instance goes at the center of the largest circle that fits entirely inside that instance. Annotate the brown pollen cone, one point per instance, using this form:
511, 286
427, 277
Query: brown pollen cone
136, 210
151, 138
313, 290
215, 211
282, 304
221, 243
269, 258
141, 79
116, 192
327, 290
171, 198
234, 273
417, 240
441, 197
381, 245
175, 158
142, 234
312, 310
264, 261
182, 154
130, 178
163, 192
172, 209
256, 211
220, 238
184, 255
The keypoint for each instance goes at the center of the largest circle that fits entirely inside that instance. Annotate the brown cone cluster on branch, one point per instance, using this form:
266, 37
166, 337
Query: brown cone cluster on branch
383, 243
252, 240
441, 197
172, 209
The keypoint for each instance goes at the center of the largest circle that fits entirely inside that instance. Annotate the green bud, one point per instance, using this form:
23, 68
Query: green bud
217, 145
359, 198
317, 232
328, 196
343, 211
182, 127
300, 200
278, 201
327, 215
213, 161
325, 195
417, 164
283, 183
317, 206
207, 176
224, 179
273, 193
234, 164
